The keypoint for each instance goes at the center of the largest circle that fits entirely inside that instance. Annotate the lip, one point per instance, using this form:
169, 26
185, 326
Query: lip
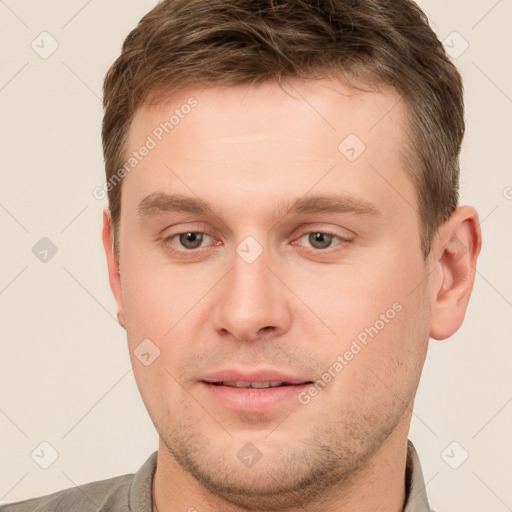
253, 400
253, 376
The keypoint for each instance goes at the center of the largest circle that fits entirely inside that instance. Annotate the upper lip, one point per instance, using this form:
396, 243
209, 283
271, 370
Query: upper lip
253, 376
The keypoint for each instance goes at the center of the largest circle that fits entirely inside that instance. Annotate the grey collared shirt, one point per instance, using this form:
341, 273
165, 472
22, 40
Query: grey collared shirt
416, 499
132, 493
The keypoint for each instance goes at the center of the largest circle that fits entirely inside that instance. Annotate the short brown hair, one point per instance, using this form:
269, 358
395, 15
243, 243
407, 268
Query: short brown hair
368, 43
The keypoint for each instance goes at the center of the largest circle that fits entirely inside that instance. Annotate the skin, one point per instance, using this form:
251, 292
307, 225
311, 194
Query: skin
250, 152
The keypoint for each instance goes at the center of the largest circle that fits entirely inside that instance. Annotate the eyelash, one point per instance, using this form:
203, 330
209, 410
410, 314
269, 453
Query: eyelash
167, 241
341, 240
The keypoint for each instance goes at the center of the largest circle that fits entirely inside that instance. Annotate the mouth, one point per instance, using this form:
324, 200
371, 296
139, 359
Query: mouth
253, 393
255, 384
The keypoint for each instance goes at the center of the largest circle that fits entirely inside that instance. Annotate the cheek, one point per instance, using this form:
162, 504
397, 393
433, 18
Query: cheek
381, 362
351, 297
157, 297
164, 311
158, 388
378, 313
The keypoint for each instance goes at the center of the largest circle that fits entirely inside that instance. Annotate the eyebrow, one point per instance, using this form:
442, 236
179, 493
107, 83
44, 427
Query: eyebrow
160, 203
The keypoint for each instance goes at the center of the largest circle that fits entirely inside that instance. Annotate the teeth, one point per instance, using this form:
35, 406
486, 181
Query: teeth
256, 385
236, 384
260, 384
275, 383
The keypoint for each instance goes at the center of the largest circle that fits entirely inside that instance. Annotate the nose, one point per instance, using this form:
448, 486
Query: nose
251, 302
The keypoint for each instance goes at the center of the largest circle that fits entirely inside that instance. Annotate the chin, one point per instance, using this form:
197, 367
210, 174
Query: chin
269, 487
282, 474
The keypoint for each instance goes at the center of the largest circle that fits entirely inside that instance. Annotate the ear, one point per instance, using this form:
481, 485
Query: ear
455, 252
113, 265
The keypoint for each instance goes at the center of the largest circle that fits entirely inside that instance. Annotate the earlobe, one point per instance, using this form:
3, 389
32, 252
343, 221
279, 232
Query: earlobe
455, 250
113, 265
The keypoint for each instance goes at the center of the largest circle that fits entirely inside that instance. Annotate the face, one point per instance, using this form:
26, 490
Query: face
272, 283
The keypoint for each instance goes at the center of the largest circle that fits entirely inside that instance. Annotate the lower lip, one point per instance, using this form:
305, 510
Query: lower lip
252, 399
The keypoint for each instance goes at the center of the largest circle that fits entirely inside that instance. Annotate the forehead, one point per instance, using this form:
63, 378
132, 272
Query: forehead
266, 112
262, 140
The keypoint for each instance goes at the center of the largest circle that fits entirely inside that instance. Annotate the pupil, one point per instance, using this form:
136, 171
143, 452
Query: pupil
320, 240
191, 240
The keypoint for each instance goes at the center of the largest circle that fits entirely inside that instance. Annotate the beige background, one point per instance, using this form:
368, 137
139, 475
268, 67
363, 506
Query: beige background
65, 375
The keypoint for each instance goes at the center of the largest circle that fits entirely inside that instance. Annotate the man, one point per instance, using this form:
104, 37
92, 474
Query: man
283, 237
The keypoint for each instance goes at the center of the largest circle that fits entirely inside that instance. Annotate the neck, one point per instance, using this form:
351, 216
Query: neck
378, 486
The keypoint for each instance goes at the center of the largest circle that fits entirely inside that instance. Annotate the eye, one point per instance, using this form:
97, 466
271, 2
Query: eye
189, 240
322, 240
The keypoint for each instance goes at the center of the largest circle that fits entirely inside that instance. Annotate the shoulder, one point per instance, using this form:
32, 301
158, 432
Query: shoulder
111, 494
126, 493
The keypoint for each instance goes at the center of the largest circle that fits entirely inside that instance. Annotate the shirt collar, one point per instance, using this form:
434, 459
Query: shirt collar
416, 495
